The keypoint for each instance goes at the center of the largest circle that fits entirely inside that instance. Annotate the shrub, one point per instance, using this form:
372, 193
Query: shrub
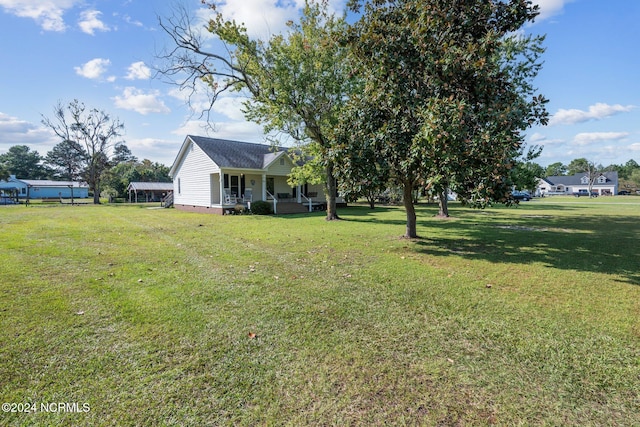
260, 207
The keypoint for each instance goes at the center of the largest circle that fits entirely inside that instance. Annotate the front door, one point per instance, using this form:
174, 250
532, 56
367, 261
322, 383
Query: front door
235, 184
271, 186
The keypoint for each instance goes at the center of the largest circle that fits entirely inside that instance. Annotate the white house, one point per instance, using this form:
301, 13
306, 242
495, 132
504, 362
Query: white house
605, 184
215, 175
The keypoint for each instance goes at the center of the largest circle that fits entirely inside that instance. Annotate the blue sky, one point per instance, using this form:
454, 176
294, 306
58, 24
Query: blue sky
102, 52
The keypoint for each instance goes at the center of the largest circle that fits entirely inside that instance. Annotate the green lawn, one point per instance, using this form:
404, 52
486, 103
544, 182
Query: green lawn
507, 316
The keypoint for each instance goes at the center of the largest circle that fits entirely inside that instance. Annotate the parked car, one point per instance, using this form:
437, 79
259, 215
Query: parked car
521, 195
624, 193
585, 193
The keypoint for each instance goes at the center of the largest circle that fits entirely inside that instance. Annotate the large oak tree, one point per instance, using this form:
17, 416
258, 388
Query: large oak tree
448, 91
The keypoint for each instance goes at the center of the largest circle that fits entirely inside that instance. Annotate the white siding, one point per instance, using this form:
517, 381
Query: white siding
256, 186
281, 166
194, 176
281, 185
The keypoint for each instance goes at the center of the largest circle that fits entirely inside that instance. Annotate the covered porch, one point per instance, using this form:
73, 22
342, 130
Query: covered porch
234, 189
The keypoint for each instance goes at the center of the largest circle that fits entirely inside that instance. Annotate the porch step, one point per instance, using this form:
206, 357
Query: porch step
291, 208
167, 201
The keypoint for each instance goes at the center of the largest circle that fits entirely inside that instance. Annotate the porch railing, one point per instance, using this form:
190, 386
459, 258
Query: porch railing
310, 202
167, 201
275, 202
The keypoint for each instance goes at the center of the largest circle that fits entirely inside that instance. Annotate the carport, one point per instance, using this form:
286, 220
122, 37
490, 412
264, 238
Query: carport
148, 191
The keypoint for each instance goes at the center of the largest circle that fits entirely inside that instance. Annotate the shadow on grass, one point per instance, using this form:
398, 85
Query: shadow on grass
591, 243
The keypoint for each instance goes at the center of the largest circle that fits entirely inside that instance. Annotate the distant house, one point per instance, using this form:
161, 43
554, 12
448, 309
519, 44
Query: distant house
148, 191
215, 175
605, 185
44, 189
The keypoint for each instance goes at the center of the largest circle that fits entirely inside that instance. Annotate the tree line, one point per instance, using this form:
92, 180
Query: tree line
90, 150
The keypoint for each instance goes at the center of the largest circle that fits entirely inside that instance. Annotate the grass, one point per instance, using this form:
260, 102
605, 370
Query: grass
507, 316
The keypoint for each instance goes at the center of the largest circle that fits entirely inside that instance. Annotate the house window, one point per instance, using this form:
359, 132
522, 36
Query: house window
281, 162
602, 179
585, 180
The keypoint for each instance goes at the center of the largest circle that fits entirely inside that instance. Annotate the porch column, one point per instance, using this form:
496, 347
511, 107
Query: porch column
264, 187
221, 187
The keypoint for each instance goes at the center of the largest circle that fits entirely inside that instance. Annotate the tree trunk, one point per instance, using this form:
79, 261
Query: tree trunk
443, 204
96, 193
410, 209
94, 184
372, 202
331, 190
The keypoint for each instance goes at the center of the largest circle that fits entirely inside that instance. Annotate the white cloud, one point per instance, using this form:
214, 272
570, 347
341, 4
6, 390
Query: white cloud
198, 101
635, 146
231, 107
129, 20
237, 131
549, 8
93, 69
192, 127
540, 139
587, 138
264, 18
9, 124
139, 101
536, 137
138, 71
157, 150
90, 22
48, 14
14, 131
261, 17
597, 111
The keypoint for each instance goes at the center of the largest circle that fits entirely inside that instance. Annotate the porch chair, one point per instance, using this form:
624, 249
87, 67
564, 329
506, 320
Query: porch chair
229, 198
248, 195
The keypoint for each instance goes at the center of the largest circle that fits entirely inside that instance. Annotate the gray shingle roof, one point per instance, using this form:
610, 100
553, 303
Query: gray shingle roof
150, 186
612, 177
236, 154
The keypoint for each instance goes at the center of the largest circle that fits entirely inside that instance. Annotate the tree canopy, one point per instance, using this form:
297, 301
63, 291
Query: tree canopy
123, 173
556, 169
66, 160
448, 91
525, 175
122, 154
24, 163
